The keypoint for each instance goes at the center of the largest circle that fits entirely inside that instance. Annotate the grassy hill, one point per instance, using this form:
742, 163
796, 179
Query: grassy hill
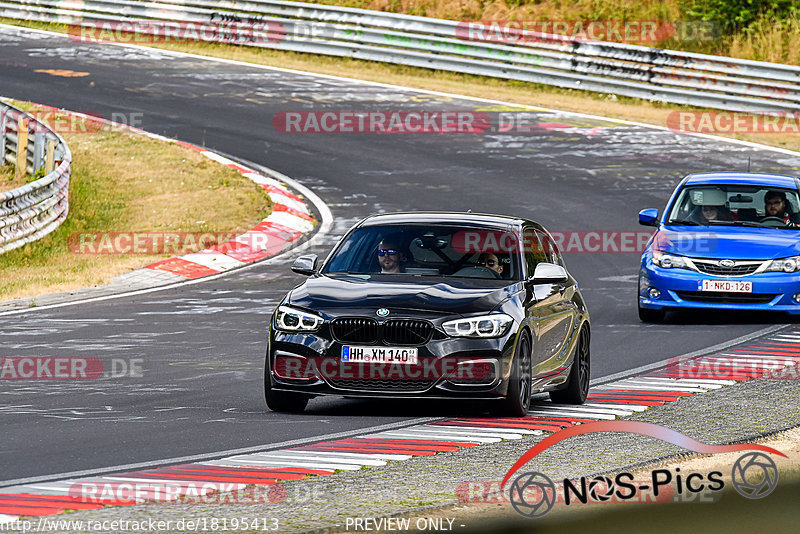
766, 30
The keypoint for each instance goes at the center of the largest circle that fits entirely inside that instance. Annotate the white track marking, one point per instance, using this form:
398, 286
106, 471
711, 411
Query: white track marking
582, 408
470, 428
322, 458
635, 384
436, 437
568, 414
696, 382
213, 260
335, 466
365, 455
469, 433
624, 406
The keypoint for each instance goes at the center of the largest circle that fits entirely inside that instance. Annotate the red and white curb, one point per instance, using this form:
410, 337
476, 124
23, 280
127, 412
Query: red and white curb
264, 470
289, 221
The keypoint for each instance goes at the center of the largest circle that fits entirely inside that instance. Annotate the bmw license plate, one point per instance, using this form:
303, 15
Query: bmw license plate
401, 355
727, 286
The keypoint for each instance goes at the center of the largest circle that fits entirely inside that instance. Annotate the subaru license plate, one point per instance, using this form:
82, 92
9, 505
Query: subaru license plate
726, 286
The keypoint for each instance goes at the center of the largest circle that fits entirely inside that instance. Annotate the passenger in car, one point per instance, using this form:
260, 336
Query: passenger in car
715, 213
709, 206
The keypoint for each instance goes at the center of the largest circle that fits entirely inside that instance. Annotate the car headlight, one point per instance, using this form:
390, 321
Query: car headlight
786, 265
668, 261
484, 326
293, 320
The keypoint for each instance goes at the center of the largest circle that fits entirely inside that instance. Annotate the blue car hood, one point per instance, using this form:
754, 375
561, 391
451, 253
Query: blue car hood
731, 242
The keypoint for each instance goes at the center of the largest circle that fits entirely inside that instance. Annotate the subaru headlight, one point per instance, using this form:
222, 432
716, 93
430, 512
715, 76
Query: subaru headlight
785, 265
293, 320
668, 261
494, 325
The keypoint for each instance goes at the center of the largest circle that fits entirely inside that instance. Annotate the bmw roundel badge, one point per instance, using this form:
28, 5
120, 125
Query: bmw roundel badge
382, 312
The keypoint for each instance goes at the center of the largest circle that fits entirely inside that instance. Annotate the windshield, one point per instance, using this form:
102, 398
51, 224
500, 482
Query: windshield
446, 250
736, 205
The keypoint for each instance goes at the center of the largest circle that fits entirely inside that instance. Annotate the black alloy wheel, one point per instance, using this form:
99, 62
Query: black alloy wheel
518, 398
283, 401
577, 388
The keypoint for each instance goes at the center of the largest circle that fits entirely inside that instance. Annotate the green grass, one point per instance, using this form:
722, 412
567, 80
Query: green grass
123, 182
6, 176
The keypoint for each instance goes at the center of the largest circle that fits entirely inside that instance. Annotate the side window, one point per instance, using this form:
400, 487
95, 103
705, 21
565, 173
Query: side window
537, 248
550, 247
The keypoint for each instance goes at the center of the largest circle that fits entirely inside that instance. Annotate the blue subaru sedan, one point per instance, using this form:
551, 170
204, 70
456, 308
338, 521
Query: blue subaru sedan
726, 240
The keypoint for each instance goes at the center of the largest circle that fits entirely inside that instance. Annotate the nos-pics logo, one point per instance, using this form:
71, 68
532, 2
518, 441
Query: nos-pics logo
532, 494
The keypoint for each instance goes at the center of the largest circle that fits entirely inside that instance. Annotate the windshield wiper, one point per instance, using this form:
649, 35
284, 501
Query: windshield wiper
746, 223
684, 221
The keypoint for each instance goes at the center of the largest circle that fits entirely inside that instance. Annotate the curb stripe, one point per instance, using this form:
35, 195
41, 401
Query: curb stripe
656, 387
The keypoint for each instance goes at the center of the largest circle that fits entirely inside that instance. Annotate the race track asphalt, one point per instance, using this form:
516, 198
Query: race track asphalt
201, 346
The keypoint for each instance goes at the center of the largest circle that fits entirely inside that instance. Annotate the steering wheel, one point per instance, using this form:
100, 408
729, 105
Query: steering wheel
478, 271
772, 221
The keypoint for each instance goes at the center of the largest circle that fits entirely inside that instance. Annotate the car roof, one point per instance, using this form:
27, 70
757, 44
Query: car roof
741, 178
444, 217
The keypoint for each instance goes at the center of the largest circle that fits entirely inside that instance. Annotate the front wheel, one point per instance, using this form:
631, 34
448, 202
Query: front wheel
518, 398
283, 401
646, 315
577, 388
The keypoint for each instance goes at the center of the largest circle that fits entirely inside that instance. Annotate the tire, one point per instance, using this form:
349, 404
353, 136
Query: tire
518, 398
647, 315
577, 388
282, 401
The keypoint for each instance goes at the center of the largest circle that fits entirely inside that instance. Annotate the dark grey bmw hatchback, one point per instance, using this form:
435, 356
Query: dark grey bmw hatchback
432, 305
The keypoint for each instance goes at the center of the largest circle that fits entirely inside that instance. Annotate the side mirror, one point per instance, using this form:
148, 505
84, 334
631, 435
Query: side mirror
549, 273
648, 217
305, 265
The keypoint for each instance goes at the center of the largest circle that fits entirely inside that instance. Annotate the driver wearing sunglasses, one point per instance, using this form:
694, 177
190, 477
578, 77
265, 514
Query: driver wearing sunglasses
490, 261
390, 257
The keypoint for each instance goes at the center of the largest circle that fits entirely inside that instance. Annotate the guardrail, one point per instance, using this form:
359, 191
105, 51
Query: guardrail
616, 68
33, 210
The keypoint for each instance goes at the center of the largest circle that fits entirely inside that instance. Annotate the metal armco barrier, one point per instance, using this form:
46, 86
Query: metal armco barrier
622, 69
33, 210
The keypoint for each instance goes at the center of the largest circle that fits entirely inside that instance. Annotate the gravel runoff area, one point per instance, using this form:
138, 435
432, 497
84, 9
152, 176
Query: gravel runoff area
421, 485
